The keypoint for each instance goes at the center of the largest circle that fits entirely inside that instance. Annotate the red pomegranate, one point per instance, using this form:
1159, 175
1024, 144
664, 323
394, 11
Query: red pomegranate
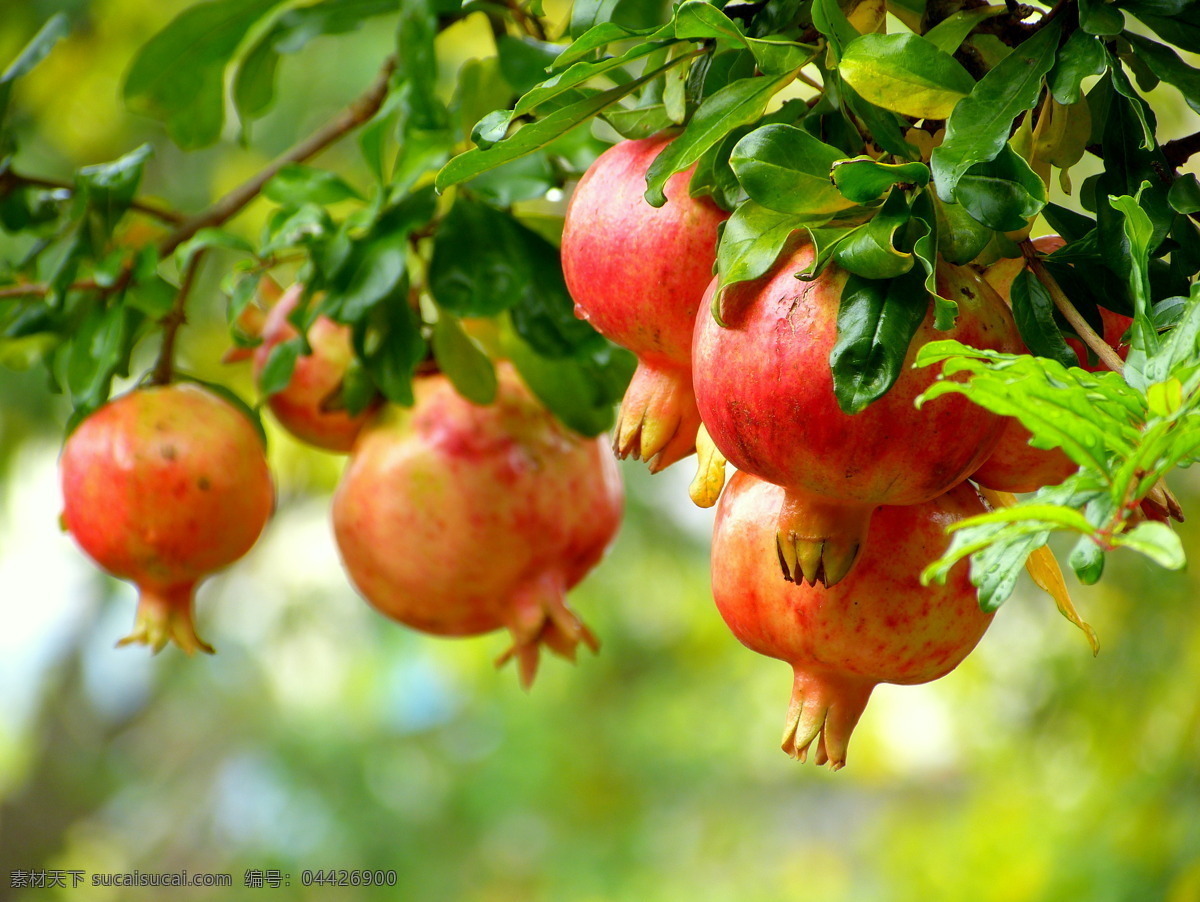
878, 625
1015, 465
637, 274
765, 393
303, 407
456, 519
163, 486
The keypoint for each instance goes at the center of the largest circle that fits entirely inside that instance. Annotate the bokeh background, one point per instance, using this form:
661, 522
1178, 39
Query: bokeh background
323, 736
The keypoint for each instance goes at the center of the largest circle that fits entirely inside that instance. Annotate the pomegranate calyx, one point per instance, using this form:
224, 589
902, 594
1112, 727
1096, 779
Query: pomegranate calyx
818, 540
164, 615
824, 708
540, 616
658, 419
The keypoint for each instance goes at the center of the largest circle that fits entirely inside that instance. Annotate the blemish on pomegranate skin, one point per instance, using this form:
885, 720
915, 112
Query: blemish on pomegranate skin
168, 452
203, 484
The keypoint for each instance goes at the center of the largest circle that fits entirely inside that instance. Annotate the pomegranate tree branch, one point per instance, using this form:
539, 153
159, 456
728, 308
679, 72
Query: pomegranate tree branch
10, 180
1180, 150
164, 369
1086, 333
359, 112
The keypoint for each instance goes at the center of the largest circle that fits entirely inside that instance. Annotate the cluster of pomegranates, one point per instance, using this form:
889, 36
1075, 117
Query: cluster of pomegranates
452, 518
850, 507
458, 519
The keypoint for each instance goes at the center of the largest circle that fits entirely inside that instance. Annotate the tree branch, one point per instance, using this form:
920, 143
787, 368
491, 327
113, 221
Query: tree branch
360, 111
164, 369
1180, 150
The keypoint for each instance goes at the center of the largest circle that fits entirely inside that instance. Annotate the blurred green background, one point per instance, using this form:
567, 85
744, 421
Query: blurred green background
322, 736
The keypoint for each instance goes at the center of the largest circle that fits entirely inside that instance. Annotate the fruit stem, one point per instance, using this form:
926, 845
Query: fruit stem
164, 370
1102, 349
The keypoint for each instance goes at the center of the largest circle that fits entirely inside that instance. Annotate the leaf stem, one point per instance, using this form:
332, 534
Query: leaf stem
1087, 334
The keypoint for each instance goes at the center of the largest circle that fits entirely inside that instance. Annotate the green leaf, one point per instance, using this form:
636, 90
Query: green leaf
864, 179
600, 35
1145, 116
388, 340
978, 129
869, 250
961, 237
463, 361
477, 268
296, 184
831, 21
641, 122
178, 75
1003, 194
736, 104
751, 241
280, 365
1184, 195
699, 20
1177, 24
1141, 369
785, 169
1033, 311
1100, 18
1087, 560
565, 82
906, 74
1082, 55
109, 188
39, 46
1156, 541
876, 322
544, 315
524, 60
949, 33
537, 135
1166, 64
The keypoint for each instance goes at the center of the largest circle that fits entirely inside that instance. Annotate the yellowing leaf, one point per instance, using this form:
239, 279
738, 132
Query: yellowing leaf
905, 74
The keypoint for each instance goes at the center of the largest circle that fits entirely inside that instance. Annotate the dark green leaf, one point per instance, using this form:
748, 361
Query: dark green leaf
208, 238
1003, 194
784, 168
638, 123
864, 179
831, 21
1087, 560
477, 267
463, 361
388, 339
906, 74
178, 75
876, 322
1100, 18
949, 33
1179, 26
734, 105
1166, 64
979, 128
109, 188
1070, 225
56, 28
1034, 312
961, 237
1082, 55
1184, 196
594, 38
524, 60
869, 251
590, 14
1145, 116
751, 241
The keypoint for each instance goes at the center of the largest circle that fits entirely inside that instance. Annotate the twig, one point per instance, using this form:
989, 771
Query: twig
10, 180
355, 115
532, 24
164, 369
1180, 150
1086, 333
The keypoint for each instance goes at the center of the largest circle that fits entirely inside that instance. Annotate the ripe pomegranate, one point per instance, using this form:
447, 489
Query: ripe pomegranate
163, 486
637, 274
765, 393
457, 519
303, 407
879, 625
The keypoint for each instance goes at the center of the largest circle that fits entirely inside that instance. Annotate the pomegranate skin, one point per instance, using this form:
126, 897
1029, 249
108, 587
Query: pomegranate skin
765, 393
302, 407
456, 519
878, 625
637, 273
161, 487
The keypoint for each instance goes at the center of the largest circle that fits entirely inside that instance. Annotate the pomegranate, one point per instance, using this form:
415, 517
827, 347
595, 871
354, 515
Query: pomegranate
637, 274
1015, 465
162, 486
878, 625
765, 393
456, 519
303, 407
